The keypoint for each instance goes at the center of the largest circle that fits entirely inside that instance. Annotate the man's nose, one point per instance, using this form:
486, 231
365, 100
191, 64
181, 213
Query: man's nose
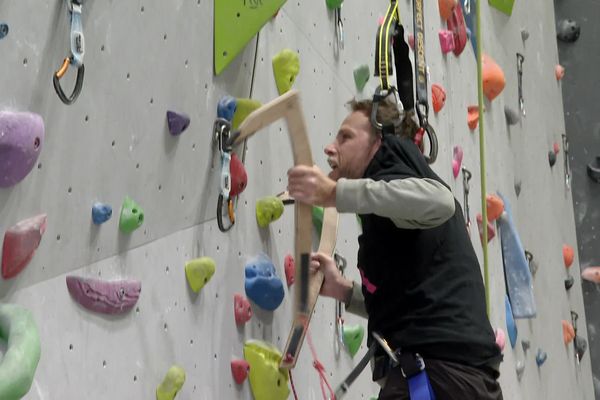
329, 149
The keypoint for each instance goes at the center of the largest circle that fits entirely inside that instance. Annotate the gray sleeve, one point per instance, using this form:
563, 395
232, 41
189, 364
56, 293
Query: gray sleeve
411, 203
355, 304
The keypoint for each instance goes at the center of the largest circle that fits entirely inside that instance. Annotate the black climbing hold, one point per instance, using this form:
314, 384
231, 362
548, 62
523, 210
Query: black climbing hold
580, 346
512, 117
517, 188
568, 30
569, 282
3, 30
552, 158
593, 170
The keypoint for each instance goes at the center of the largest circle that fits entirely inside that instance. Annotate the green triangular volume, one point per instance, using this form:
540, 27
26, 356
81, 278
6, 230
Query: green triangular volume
506, 6
235, 24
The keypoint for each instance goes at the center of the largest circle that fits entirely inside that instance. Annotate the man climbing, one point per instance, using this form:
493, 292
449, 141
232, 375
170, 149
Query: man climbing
422, 288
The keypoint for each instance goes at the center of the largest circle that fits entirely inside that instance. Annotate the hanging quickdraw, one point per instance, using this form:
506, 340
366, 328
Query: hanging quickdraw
566, 155
390, 36
221, 131
74, 8
339, 318
579, 343
466, 188
339, 28
520, 60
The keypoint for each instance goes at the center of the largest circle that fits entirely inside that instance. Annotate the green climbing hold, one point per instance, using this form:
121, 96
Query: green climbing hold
132, 216
268, 209
17, 367
267, 380
353, 337
244, 108
317, 218
172, 383
333, 4
506, 6
199, 271
286, 65
361, 76
235, 24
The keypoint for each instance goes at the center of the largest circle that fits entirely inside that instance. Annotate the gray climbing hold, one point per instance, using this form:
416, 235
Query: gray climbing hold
580, 346
524, 34
517, 187
526, 345
512, 117
568, 30
520, 368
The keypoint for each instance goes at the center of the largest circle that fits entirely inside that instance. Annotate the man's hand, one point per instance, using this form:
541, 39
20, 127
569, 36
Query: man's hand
310, 185
334, 283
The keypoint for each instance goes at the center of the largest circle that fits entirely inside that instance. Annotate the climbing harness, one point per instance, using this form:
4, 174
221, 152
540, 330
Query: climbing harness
567, 169
466, 189
579, 343
221, 132
412, 367
520, 60
339, 319
390, 37
74, 8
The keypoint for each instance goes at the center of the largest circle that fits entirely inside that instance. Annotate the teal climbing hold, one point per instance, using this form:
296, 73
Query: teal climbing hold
286, 65
18, 366
132, 216
268, 209
171, 384
353, 337
361, 76
199, 271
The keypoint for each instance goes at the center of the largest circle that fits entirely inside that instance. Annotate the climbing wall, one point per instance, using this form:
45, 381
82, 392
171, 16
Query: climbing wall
143, 58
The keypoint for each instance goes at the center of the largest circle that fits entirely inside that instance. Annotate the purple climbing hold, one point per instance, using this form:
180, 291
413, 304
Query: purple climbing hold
226, 107
105, 297
177, 122
21, 139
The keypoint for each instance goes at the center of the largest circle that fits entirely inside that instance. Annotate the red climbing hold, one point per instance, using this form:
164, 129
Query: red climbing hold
289, 265
20, 243
241, 309
495, 207
438, 97
239, 370
456, 24
239, 178
568, 255
556, 148
446, 41
493, 77
490, 228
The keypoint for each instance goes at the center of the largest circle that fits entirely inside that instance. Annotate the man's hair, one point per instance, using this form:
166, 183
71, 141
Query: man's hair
387, 113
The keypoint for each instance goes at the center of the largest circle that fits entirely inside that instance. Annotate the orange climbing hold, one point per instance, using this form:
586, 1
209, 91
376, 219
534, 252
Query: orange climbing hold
472, 117
491, 232
446, 7
495, 207
559, 71
438, 97
568, 255
493, 77
568, 332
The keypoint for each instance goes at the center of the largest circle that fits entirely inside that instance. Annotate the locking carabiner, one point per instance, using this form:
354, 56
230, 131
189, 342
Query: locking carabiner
339, 318
77, 41
221, 136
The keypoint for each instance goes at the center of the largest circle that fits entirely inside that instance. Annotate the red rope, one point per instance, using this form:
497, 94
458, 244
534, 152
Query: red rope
293, 387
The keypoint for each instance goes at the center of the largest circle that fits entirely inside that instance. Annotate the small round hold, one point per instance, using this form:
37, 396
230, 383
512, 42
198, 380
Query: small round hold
568, 30
524, 34
526, 344
3, 30
520, 368
512, 117
552, 158
569, 282
540, 357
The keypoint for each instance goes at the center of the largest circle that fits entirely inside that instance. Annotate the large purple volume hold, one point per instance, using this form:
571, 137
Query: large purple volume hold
21, 139
105, 297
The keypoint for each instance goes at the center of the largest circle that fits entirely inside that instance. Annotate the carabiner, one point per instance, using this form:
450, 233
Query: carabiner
339, 28
339, 318
433, 144
520, 60
566, 155
380, 95
78, 82
230, 212
466, 189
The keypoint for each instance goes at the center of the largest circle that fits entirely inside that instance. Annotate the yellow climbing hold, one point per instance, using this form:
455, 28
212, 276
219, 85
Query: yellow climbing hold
199, 271
286, 65
244, 108
172, 383
268, 209
267, 380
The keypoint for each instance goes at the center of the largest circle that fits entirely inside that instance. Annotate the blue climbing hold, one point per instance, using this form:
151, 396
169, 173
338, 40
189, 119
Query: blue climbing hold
101, 213
263, 286
177, 122
540, 357
511, 327
3, 30
226, 107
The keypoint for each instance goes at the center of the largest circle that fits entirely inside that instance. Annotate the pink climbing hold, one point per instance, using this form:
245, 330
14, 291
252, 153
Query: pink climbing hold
380, 20
239, 370
106, 297
490, 228
21, 140
457, 160
500, 338
411, 41
20, 243
241, 309
556, 148
559, 71
446, 40
289, 265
